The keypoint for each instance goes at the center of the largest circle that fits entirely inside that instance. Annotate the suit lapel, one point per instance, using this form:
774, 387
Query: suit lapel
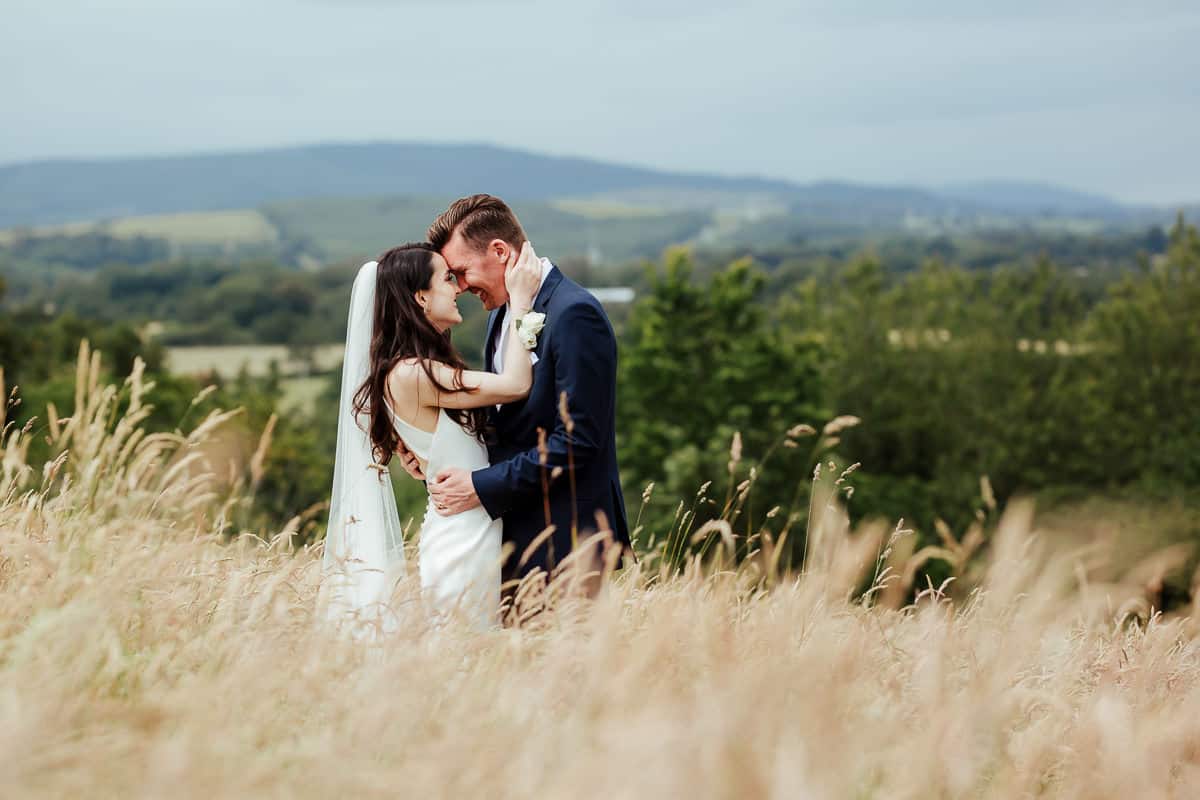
489, 343
541, 304
553, 279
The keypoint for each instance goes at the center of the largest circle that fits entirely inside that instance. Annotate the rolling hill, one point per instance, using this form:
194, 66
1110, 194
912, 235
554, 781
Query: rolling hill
51, 192
319, 204
54, 192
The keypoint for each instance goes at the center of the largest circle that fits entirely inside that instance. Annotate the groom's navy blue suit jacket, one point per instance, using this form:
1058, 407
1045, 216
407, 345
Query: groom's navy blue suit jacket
577, 354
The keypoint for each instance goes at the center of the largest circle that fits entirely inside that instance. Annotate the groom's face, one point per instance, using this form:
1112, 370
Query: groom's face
480, 272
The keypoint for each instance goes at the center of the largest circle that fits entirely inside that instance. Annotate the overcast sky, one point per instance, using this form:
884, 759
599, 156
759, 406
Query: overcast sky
1098, 95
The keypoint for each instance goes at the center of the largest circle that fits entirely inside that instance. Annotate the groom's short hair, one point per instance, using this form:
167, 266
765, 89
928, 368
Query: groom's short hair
481, 218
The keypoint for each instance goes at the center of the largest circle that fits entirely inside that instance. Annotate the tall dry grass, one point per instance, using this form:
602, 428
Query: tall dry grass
143, 653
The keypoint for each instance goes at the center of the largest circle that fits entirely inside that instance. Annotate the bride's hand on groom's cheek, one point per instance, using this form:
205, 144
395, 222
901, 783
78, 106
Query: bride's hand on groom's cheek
453, 492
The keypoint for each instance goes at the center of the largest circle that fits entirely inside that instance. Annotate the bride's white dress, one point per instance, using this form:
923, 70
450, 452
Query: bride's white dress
363, 561
458, 555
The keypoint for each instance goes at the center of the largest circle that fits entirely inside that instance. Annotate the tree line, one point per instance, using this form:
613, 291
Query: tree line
937, 377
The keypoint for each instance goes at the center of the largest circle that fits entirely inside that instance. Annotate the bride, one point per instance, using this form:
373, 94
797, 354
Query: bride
403, 381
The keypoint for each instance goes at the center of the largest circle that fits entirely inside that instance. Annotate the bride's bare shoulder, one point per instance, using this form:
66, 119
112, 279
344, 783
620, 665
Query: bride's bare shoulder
410, 369
404, 374
410, 377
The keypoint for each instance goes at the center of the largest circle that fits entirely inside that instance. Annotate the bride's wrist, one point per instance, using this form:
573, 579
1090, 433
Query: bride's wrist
521, 309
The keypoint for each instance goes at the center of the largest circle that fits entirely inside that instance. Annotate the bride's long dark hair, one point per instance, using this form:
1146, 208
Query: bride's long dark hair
401, 331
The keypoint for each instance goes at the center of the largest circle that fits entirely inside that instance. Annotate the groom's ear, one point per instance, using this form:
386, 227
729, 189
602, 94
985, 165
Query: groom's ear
499, 248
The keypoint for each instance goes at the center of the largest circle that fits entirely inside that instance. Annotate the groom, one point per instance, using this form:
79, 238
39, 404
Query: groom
546, 470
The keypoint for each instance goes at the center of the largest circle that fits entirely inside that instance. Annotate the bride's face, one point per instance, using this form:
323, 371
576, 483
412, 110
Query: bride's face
440, 300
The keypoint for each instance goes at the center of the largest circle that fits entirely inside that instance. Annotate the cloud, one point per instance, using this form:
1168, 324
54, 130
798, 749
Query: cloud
931, 89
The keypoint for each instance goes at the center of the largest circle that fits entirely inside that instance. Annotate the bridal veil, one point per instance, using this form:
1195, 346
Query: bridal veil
364, 546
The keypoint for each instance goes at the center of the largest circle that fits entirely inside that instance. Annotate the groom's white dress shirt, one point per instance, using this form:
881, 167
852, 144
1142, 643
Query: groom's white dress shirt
498, 352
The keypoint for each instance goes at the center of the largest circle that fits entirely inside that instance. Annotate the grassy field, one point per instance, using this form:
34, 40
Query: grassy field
69, 229
149, 648
300, 394
234, 228
245, 226
357, 228
604, 209
300, 388
324, 230
228, 360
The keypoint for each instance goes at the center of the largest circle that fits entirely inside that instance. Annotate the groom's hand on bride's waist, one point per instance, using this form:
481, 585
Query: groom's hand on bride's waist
453, 492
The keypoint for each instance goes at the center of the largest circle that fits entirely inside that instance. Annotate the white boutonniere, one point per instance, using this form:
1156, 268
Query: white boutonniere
528, 328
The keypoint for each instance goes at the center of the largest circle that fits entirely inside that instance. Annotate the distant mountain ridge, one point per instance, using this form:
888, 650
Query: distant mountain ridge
1028, 196
53, 192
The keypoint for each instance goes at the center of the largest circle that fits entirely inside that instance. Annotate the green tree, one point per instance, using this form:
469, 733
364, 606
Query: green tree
956, 374
699, 364
1147, 332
